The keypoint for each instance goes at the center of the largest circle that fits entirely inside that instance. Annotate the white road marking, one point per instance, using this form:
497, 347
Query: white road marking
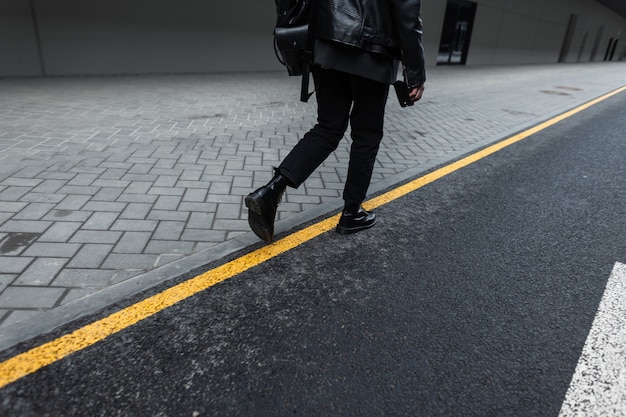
598, 388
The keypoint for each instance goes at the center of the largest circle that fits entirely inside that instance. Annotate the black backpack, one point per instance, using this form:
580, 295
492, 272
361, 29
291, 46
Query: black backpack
293, 41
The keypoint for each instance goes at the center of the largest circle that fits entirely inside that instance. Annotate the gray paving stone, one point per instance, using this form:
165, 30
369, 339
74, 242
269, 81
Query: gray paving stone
303, 199
242, 181
68, 215
166, 191
53, 182
137, 198
169, 247
164, 167
30, 297
229, 211
30, 171
221, 224
111, 183
201, 220
6, 280
135, 225
199, 207
25, 226
233, 199
19, 316
115, 171
4, 313
13, 193
167, 203
100, 221
132, 242
77, 293
137, 211
195, 195
103, 206
42, 198
83, 179
202, 185
191, 174
11, 206
72, 202
41, 272
140, 178
84, 278
21, 182
203, 235
79, 189
60, 232
14, 244
139, 168
165, 181
162, 215
169, 230
322, 193
90, 256
57, 250
130, 261
86, 167
34, 211
168, 258
218, 188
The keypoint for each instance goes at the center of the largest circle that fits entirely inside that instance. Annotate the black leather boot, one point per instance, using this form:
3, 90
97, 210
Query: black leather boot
262, 205
355, 221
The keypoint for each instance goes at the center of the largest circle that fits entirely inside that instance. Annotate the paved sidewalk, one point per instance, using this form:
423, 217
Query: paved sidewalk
110, 185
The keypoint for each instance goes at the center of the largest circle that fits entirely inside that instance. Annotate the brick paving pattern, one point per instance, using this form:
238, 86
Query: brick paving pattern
104, 179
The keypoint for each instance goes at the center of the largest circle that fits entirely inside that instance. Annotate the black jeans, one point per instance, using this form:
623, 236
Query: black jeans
341, 98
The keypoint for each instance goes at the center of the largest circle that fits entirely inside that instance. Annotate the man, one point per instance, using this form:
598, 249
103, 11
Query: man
358, 45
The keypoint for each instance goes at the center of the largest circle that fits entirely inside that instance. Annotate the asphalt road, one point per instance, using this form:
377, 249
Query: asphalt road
472, 296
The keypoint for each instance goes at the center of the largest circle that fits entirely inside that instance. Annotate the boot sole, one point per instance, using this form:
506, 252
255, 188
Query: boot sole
255, 219
343, 230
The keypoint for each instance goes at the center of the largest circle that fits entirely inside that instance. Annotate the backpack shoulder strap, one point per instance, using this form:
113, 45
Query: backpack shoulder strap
305, 95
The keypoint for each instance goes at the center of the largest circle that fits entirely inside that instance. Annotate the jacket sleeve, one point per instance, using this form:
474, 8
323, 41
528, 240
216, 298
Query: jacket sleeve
408, 25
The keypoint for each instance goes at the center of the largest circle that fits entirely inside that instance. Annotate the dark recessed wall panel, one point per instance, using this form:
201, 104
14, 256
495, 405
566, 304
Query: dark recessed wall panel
19, 54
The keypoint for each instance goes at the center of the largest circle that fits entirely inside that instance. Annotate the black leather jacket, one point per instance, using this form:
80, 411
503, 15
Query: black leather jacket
389, 27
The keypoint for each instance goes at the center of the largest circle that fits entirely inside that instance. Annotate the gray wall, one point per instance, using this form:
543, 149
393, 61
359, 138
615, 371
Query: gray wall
139, 36
160, 36
533, 31
530, 31
18, 44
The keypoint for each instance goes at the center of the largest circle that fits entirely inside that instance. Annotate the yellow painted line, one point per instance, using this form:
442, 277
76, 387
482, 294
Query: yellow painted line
41, 356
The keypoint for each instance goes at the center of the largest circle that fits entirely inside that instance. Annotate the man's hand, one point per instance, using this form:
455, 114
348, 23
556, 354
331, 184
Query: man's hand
416, 93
